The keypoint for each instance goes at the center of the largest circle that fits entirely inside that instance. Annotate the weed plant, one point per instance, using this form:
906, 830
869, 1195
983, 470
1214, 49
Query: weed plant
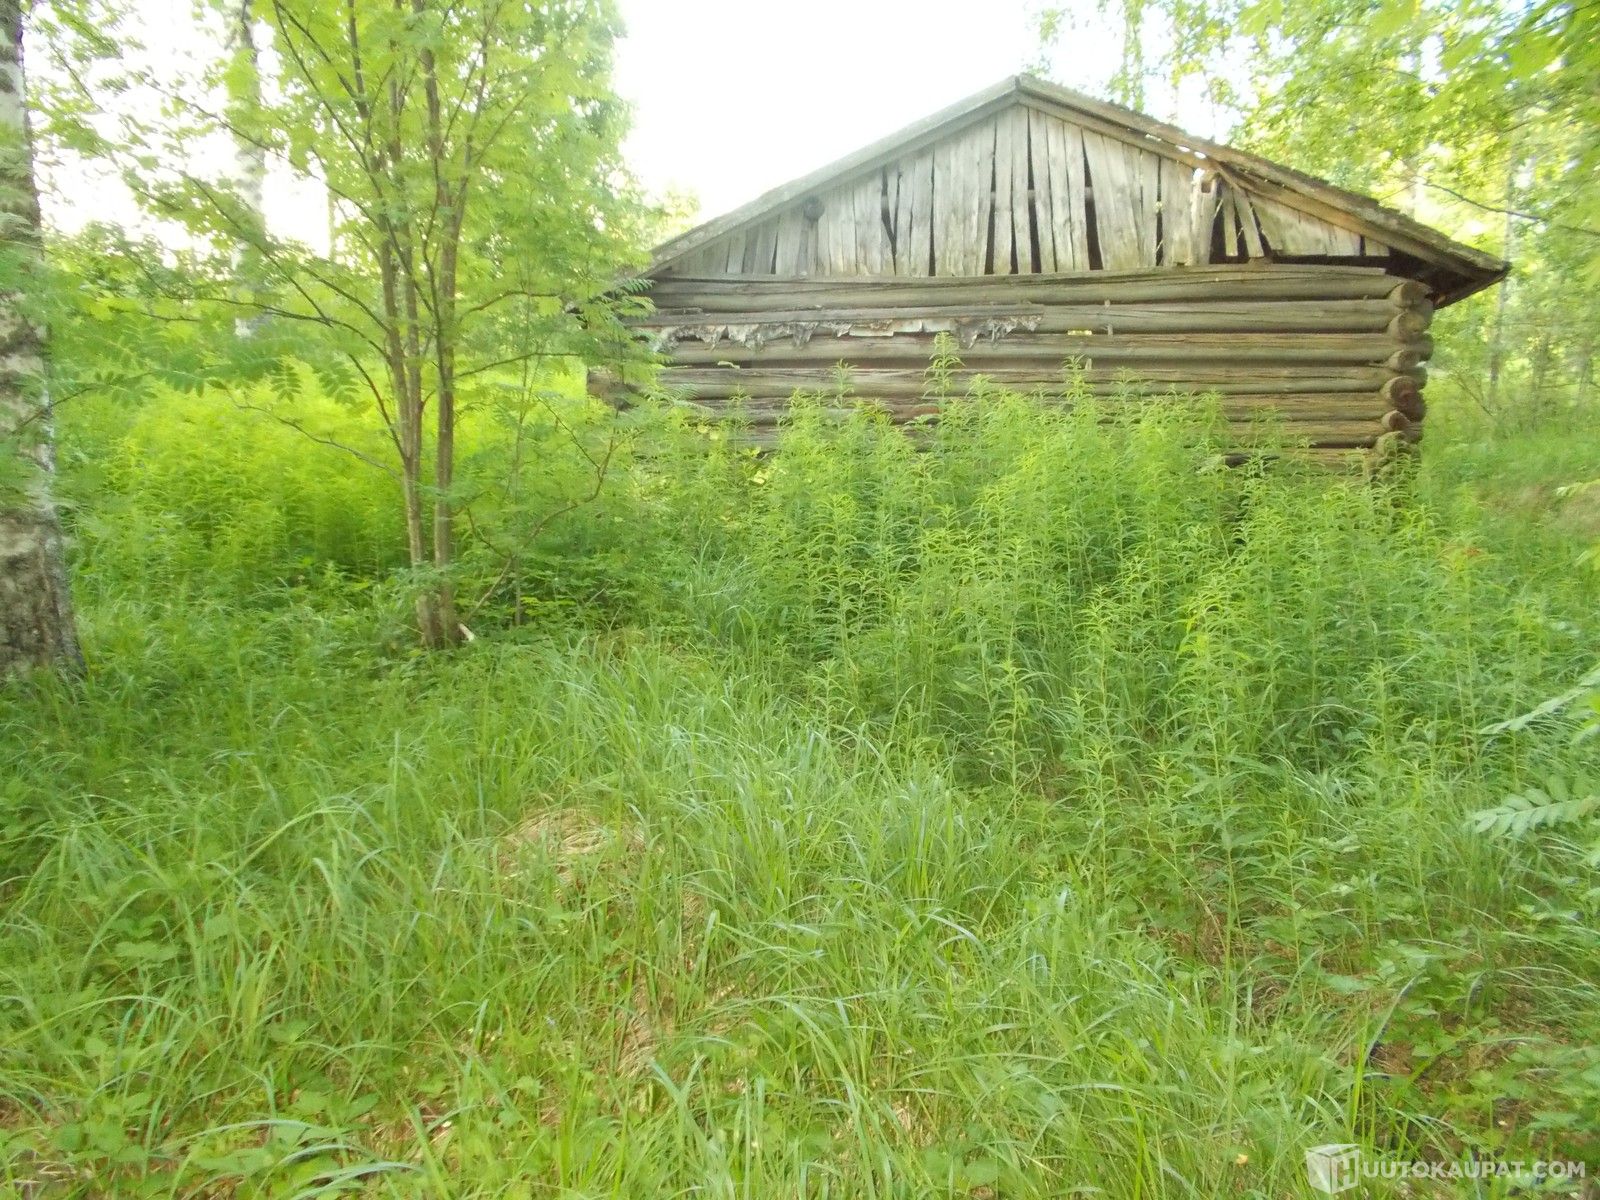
1027, 808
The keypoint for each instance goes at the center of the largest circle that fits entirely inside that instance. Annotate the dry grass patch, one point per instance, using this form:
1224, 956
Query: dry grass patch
567, 838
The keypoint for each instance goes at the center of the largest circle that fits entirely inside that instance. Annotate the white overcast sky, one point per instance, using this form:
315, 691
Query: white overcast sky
733, 97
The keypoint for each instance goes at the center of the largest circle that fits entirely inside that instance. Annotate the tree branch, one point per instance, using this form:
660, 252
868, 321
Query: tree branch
1512, 212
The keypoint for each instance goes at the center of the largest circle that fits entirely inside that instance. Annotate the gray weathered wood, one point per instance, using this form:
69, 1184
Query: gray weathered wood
1248, 225
871, 246
1177, 218
1202, 216
1230, 221
1334, 316
1219, 351
1021, 195
921, 214
1003, 224
978, 209
1308, 216
1043, 193
1177, 284
1072, 218
899, 200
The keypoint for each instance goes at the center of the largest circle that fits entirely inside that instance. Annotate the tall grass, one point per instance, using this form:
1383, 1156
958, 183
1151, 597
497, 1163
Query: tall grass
1041, 809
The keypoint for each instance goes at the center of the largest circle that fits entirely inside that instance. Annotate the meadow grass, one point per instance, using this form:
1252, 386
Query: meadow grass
1044, 810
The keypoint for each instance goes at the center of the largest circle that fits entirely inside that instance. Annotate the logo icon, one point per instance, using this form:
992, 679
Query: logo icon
1334, 1168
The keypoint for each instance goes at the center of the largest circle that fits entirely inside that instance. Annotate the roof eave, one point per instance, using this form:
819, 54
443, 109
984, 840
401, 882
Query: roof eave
1471, 285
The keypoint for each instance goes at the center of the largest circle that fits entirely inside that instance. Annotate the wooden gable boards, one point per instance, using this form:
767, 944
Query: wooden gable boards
1029, 178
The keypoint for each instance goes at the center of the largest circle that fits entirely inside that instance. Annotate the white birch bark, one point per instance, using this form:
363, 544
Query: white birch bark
250, 156
36, 621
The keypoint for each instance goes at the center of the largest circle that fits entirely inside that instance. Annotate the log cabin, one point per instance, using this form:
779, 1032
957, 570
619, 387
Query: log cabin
1035, 225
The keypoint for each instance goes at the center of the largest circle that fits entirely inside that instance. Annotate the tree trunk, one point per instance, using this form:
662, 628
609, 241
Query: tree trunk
1497, 336
250, 156
36, 622
429, 624
444, 319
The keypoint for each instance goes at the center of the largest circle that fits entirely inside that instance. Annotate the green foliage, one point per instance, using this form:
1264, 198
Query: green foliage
477, 214
1557, 803
196, 493
1037, 808
1479, 117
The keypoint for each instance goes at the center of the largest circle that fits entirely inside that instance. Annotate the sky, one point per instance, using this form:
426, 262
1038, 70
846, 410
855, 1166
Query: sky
733, 97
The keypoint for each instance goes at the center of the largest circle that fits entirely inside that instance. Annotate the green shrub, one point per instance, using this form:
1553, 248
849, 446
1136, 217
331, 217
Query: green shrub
196, 494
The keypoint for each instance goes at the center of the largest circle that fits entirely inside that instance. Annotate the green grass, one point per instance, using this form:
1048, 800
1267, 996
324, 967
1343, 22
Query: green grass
1041, 811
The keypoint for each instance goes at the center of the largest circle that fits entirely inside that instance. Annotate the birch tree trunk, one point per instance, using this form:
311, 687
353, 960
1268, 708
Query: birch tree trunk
36, 622
250, 156
1497, 331
244, 103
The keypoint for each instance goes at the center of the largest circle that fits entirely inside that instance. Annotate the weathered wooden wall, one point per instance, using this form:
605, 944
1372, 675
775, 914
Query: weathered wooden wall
1336, 351
1023, 191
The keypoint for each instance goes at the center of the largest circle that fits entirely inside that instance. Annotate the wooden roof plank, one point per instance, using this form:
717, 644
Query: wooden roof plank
921, 214
979, 200
1352, 206
1075, 187
1021, 200
1254, 247
1004, 228
1043, 197
1363, 226
1230, 220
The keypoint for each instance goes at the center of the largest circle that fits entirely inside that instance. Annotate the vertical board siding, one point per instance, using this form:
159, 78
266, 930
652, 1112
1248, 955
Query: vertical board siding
1004, 242
1023, 191
1072, 190
1115, 176
1021, 198
919, 213
1043, 218
1293, 232
1176, 208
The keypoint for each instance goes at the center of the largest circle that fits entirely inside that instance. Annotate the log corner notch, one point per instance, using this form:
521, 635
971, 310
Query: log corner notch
1034, 224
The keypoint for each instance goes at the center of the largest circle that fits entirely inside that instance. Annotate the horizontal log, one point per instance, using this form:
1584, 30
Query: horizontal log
1197, 272
874, 390
1411, 293
1399, 423
1336, 316
1344, 429
1409, 358
1409, 324
1404, 393
1414, 409
1342, 452
1303, 406
746, 293
1097, 350
713, 381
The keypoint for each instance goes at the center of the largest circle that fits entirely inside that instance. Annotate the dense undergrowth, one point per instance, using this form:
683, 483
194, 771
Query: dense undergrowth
1043, 809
